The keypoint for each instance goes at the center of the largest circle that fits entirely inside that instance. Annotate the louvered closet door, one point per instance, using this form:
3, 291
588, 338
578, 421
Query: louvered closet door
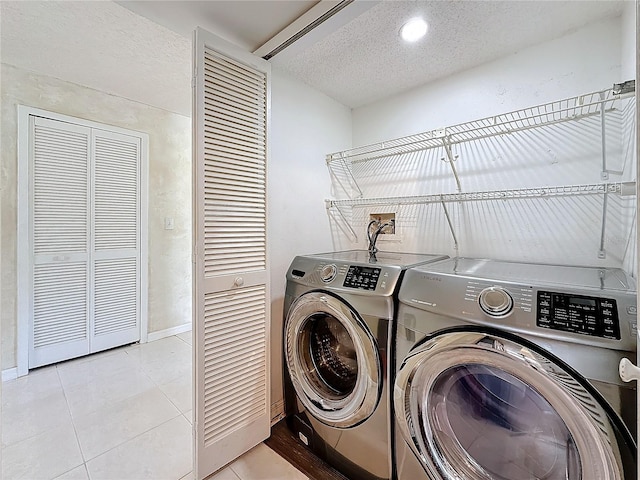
231, 294
59, 241
115, 306
84, 240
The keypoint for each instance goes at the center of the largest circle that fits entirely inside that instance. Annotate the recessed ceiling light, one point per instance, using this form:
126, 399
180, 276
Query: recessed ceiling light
413, 30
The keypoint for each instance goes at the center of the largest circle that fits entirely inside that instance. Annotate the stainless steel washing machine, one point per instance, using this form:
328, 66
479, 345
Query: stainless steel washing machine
510, 371
339, 311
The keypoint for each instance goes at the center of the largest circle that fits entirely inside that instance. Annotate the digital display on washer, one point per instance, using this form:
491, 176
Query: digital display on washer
362, 277
593, 316
582, 301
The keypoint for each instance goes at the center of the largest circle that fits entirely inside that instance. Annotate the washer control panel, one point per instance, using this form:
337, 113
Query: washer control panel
362, 277
593, 316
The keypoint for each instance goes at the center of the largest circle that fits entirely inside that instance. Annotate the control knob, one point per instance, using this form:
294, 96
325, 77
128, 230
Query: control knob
495, 301
328, 273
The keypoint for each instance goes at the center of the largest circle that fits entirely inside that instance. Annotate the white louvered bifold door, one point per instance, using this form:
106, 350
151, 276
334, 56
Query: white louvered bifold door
231, 294
59, 240
84, 240
115, 241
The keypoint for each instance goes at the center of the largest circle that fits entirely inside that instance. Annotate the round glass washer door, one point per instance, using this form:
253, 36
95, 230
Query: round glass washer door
476, 406
332, 360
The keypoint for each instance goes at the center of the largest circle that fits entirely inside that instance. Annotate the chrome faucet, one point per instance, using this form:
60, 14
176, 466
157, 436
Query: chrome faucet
373, 237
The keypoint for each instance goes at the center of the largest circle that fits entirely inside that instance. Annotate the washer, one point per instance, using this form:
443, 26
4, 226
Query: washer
339, 312
510, 371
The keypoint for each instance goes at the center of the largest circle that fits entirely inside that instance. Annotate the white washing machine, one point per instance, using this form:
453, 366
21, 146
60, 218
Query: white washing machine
339, 311
510, 371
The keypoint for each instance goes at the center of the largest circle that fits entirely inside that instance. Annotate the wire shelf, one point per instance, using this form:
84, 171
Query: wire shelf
621, 188
570, 109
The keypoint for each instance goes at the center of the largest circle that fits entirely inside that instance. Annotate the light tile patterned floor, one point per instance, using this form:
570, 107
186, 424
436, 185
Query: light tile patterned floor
124, 414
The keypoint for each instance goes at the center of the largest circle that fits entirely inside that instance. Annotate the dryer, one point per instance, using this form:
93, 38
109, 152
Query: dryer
510, 371
339, 310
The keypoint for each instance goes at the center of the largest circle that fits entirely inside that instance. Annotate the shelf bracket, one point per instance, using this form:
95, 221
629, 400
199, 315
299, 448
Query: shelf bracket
332, 206
604, 175
602, 252
624, 88
446, 142
352, 183
453, 232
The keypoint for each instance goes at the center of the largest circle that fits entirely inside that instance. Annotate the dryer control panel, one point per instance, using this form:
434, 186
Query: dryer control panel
362, 277
595, 316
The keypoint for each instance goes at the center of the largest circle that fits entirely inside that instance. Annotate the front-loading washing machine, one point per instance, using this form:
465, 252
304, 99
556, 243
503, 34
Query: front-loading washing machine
510, 371
339, 310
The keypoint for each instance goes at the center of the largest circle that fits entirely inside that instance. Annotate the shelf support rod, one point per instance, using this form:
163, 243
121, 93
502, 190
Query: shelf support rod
453, 232
604, 175
602, 252
348, 172
447, 148
331, 205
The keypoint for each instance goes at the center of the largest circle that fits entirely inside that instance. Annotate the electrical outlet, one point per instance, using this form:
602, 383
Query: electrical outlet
383, 218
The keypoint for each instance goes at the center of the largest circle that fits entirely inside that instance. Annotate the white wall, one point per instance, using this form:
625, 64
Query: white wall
169, 190
584, 61
628, 33
305, 125
562, 230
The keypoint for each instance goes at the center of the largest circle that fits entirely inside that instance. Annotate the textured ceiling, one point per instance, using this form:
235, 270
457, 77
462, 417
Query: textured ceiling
366, 60
99, 45
102, 45
247, 23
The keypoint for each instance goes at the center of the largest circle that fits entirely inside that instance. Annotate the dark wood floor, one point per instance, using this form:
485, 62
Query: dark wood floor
287, 445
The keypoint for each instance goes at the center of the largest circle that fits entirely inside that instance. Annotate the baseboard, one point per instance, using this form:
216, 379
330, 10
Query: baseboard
277, 412
167, 332
9, 374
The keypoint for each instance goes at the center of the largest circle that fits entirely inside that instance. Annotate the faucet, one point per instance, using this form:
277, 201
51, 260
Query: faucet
373, 237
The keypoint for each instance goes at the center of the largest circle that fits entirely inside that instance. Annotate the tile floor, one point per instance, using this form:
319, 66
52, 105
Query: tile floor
117, 415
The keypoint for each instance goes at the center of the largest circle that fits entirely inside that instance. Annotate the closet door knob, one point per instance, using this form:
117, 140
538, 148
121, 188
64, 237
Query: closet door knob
238, 282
